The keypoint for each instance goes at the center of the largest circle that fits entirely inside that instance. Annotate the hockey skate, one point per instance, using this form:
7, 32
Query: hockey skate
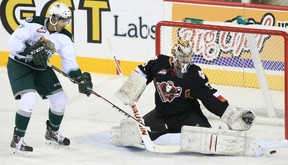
19, 146
55, 138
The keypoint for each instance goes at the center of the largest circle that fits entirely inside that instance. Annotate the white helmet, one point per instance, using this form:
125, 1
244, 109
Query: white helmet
59, 11
182, 56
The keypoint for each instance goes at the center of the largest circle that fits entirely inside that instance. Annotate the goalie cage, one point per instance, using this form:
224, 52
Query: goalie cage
245, 62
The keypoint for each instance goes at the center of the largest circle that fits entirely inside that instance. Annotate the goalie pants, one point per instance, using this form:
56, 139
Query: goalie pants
155, 120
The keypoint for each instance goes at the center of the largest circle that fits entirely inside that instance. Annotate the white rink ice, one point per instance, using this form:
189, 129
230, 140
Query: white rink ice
87, 123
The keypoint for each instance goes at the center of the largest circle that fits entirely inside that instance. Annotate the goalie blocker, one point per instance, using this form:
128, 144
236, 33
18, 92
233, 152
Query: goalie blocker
132, 89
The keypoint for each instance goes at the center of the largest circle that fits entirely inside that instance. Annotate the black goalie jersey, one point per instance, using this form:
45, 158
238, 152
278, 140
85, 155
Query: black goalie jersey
175, 95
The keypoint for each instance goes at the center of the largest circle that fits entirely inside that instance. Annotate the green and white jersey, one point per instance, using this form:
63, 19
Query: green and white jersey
30, 31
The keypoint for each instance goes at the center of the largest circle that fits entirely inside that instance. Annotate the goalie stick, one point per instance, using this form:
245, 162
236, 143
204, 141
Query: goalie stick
150, 146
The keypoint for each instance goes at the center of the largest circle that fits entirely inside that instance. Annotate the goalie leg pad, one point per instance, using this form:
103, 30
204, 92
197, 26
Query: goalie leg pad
219, 142
115, 136
127, 134
132, 89
236, 119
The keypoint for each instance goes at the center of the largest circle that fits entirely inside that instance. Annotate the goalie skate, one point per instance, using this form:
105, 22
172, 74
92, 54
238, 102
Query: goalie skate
55, 138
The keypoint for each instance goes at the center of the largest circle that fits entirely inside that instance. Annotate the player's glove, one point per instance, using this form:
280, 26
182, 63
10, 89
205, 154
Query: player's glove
85, 84
40, 55
41, 51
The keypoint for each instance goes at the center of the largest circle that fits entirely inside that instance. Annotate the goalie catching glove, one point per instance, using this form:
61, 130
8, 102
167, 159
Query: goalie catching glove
237, 119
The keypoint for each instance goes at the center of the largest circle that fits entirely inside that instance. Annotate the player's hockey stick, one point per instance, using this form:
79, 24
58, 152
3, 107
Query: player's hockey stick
45, 42
96, 94
150, 146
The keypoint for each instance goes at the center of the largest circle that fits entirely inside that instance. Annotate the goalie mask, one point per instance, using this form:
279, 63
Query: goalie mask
182, 57
60, 14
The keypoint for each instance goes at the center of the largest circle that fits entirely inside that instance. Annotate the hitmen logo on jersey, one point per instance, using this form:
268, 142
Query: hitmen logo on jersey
167, 91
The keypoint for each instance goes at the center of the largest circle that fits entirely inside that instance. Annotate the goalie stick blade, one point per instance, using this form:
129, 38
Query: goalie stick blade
150, 146
165, 149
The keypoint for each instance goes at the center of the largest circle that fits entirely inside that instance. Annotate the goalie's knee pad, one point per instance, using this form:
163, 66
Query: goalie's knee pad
219, 142
236, 119
127, 134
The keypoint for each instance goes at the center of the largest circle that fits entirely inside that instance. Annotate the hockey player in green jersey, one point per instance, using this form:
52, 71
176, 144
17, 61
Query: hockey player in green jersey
36, 40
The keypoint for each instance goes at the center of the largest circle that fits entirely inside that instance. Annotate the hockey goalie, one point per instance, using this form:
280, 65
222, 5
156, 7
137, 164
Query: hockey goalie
179, 86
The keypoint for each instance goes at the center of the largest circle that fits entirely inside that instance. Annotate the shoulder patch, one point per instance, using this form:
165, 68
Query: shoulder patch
29, 19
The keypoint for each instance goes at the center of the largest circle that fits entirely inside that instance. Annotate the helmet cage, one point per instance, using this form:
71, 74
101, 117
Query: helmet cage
57, 17
182, 54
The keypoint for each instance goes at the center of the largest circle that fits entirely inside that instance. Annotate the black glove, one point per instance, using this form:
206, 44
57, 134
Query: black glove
40, 55
85, 86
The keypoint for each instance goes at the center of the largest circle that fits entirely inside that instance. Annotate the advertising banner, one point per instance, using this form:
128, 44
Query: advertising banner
129, 25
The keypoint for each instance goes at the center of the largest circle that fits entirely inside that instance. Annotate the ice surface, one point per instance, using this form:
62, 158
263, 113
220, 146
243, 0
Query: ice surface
87, 123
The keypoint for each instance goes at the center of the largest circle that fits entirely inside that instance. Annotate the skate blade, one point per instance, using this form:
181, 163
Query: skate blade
15, 152
56, 145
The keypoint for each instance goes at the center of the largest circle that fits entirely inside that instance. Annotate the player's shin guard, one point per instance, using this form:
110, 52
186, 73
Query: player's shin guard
219, 142
236, 119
